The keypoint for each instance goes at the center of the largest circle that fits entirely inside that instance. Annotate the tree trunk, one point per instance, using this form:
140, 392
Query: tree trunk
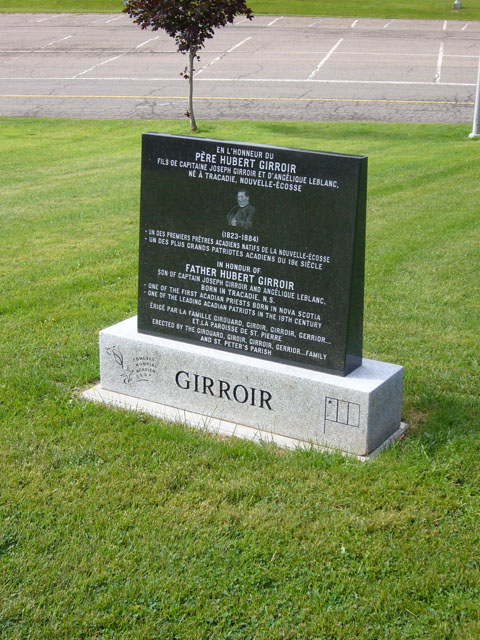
193, 124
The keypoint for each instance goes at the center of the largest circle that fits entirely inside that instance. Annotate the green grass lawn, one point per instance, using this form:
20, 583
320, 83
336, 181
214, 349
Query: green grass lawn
115, 525
427, 9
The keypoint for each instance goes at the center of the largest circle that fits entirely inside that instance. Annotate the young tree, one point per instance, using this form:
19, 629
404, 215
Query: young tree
190, 22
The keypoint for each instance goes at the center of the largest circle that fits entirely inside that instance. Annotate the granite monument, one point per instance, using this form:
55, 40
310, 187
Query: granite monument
250, 298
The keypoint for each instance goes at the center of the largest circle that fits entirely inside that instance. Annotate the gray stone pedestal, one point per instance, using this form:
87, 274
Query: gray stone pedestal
234, 394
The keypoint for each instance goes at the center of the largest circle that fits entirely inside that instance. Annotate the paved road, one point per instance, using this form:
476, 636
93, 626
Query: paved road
271, 68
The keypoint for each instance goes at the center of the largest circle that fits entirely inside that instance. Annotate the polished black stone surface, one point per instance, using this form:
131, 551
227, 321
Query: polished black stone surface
253, 249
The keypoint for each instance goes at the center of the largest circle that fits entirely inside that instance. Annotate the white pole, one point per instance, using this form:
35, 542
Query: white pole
476, 114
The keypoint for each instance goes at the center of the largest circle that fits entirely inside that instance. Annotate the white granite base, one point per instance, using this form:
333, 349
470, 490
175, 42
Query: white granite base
234, 394
216, 426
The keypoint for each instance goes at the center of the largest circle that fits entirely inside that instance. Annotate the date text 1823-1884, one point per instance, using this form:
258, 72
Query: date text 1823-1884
253, 249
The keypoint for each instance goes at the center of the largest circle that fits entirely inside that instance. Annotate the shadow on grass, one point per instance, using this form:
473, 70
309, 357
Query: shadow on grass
438, 419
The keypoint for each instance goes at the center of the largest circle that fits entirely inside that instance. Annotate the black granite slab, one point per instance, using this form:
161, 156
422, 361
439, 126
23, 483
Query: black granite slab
253, 249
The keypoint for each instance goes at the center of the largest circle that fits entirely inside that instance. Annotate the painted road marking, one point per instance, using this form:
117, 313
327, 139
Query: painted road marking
254, 80
387, 24
53, 42
238, 99
102, 19
406, 55
322, 62
59, 15
29, 51
209, 64
97, 65
142, 44
274, 21
352, 26
239, 44
439, 64
264, 51
113, 19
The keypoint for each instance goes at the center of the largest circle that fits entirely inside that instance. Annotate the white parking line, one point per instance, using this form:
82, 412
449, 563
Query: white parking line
387, 24
142, 44
9, 79
314, 23
465, 26
439, 64
22, 52
239, 44
445, 25
59, 15
353, 24
272, 52
113, 19
294, 80
393, 55
274, 21
322, 62
235, 46
96, 65
102, 19
53, 42
12, 59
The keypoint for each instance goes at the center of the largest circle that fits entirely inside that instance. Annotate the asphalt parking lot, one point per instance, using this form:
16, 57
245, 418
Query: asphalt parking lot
279, 68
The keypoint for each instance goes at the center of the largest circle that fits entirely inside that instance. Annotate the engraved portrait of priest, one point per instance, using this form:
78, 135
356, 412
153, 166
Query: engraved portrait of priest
241, 215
